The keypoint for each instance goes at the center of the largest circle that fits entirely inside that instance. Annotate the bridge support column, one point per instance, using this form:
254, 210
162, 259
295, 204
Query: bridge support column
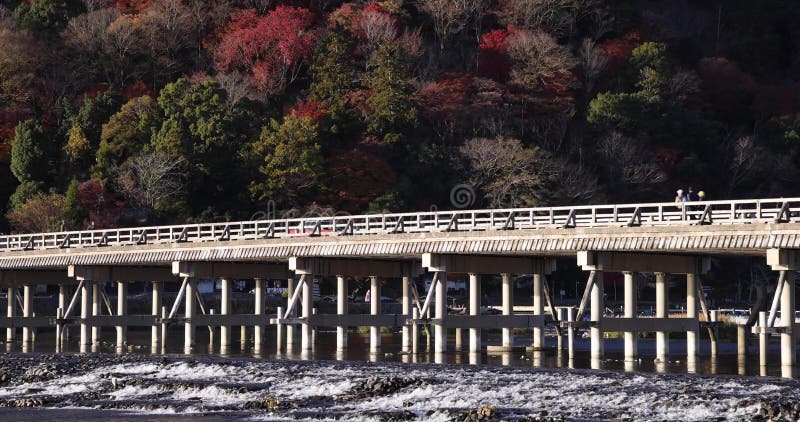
662, 299
62, 331
538, 309
27, 309
692, 336
375, 309
188, 327
341, 309
788, 347
11, 312
225, 309
440, 313
407, 302
508, 309
85, 311
473, 265
96, 310
741, 340
155, 331
290, 286
474, 310
598, 306
122, 309
571, 334
762, 340
631, 340
258, 309
279, 331
631, 263
308, 302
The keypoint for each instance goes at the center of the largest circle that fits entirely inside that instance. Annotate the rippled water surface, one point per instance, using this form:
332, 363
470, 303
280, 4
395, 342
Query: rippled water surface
390, 386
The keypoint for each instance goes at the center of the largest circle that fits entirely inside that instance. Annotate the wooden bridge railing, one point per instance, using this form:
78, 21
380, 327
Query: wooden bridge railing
652, 214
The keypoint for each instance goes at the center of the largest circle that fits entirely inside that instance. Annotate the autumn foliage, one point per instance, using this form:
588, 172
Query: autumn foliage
246, 105
270, 50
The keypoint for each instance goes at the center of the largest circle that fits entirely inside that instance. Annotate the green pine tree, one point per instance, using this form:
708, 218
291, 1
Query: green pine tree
31, 153
74, 213
291, 160
390, 111
334, 74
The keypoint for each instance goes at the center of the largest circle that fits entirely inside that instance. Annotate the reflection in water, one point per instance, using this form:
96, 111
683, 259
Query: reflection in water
691, 364
630, 365
727, 362
537, 359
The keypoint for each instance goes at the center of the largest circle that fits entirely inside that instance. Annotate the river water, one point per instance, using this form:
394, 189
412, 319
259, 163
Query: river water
355, 385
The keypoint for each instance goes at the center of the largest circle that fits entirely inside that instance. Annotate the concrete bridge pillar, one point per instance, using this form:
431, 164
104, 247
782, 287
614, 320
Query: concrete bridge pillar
630, 263
440, 313
11, 312
27, 309
440, 264
787, 260
327, 267
341, 309
122, 309
290, 286
225, 309
62, 331
692, 336
97, 309
788, 346
538, 309
508, 309
155, 331
662, 299
308, 303
598, 306
189, 325
85, 311
258, 309
407, 302
474, 310
375, 309
631, 337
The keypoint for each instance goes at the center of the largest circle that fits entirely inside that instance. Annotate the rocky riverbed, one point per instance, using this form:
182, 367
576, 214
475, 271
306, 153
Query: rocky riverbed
140, 386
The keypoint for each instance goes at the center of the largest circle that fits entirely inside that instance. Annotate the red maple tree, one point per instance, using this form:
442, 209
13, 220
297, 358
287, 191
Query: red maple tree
271, 49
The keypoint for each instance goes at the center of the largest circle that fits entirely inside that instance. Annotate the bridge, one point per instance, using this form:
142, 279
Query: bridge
660, 238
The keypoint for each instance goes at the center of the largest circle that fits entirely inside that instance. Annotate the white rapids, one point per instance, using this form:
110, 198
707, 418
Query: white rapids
324, 390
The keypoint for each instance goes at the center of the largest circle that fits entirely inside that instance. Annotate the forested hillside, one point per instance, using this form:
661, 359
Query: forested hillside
134, 112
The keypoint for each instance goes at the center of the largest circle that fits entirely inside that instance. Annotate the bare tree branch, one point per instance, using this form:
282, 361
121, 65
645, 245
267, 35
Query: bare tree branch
151, 181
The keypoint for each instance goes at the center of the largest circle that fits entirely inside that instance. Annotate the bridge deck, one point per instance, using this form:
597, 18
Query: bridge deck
742, 227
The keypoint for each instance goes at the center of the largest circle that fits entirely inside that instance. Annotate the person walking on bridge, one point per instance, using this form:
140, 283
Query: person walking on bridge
680, 198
